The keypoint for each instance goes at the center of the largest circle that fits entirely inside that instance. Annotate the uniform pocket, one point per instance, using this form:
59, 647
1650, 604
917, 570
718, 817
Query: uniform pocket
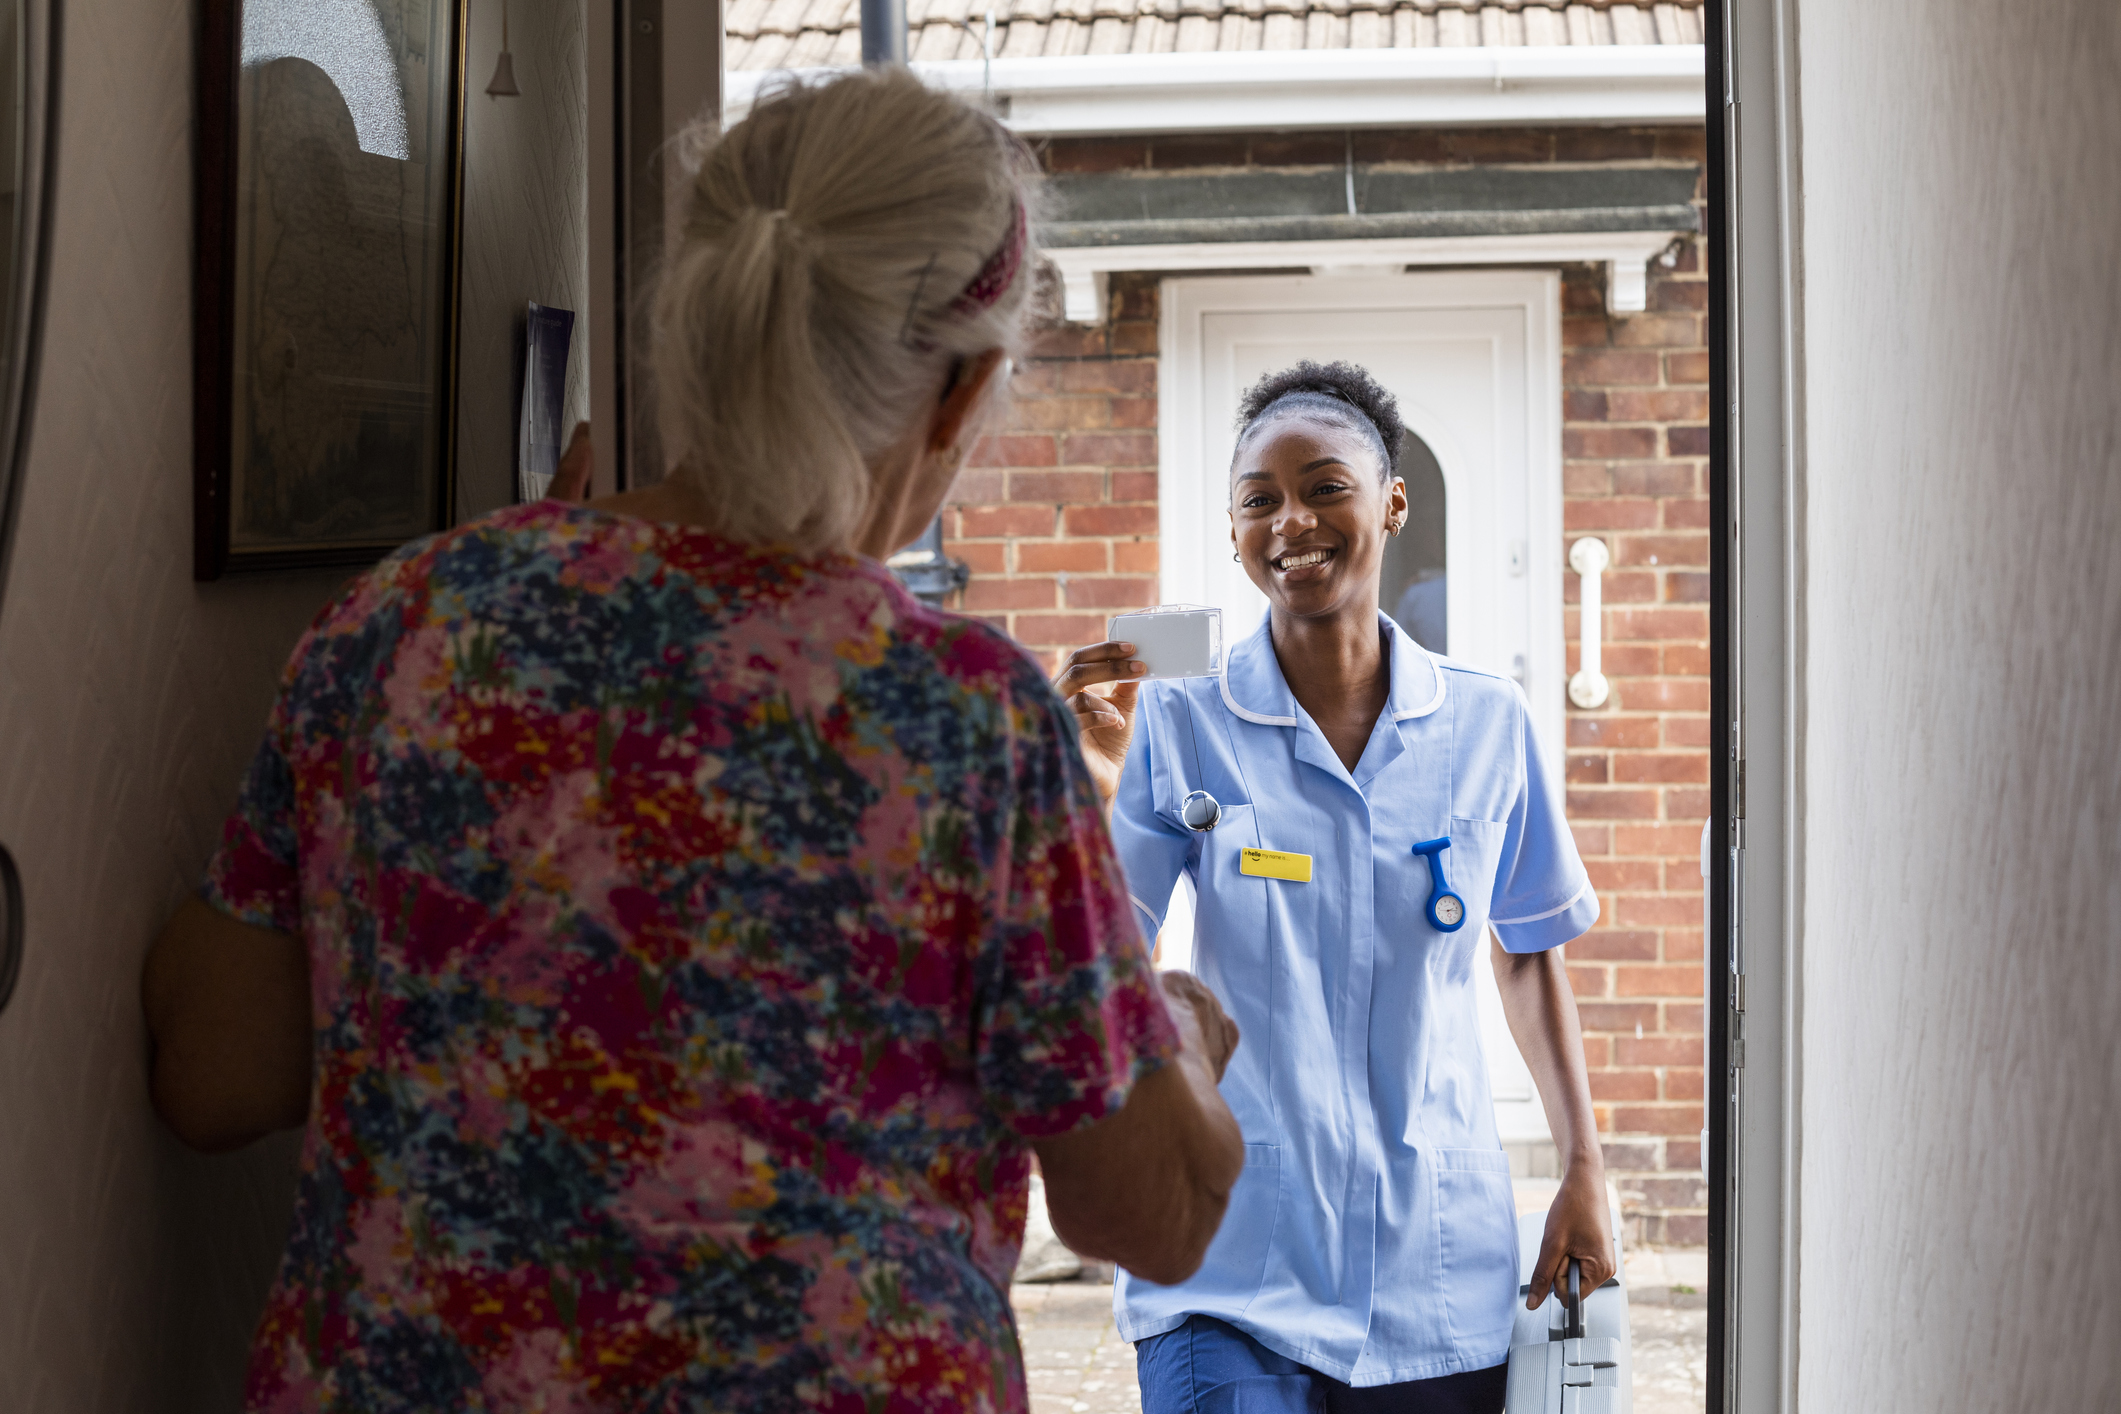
1478, 847
1477, 1217
1237, 1258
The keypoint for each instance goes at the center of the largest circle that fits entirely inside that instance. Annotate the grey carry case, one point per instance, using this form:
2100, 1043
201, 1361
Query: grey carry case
1571, 1355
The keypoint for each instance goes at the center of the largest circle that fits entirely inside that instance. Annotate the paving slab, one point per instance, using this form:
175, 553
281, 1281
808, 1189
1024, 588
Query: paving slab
1075, 1362
1671, 1349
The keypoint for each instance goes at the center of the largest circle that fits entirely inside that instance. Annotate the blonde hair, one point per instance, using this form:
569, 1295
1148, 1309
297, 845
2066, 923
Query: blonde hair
812, 307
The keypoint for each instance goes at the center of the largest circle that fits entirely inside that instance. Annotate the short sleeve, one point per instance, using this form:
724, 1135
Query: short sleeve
1543, 896
1068, 1014
253, 874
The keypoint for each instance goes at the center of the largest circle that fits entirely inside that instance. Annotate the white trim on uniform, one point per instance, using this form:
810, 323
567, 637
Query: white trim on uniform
1435, 668
1572, 901
1228, 701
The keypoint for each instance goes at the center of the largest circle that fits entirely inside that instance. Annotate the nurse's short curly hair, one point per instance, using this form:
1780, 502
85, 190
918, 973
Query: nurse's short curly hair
1341, 393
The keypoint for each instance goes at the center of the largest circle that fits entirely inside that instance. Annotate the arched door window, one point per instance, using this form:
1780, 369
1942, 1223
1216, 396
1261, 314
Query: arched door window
1414, 587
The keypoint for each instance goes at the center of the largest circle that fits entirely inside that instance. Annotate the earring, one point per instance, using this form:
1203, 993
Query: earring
1237, 558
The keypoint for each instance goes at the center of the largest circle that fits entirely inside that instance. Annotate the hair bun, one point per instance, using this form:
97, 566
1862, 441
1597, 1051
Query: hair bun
841, 214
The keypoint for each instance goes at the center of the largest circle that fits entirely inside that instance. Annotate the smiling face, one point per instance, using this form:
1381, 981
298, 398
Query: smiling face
1309, 512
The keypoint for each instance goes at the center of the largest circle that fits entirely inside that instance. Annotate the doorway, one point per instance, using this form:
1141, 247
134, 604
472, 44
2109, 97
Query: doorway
1474, 358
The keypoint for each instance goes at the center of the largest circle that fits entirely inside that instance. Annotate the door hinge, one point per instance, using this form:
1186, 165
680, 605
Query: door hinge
1738, 991
1738, 789
1737, 1040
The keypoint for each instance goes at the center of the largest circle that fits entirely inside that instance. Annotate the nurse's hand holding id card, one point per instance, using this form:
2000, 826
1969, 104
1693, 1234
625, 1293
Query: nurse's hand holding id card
1104, 719
1171, 641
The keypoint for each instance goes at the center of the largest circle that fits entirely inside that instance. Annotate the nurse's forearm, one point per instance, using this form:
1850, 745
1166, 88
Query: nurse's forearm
1541, 1009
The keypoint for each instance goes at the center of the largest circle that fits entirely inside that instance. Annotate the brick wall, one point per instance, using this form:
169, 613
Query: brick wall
1056, 511
1635, 449
1056, 514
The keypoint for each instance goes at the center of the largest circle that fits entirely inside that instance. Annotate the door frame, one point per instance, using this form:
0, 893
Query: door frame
1753, 1013
1188, 488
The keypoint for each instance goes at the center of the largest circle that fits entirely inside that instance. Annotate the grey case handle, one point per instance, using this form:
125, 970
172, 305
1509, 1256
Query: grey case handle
1572, 1304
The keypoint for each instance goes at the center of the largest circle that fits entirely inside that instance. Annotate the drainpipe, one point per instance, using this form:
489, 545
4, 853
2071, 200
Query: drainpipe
883, 31
922, 567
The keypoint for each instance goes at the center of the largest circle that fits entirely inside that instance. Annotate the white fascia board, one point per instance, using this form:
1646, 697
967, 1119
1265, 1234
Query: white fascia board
1084, 269
1320, 88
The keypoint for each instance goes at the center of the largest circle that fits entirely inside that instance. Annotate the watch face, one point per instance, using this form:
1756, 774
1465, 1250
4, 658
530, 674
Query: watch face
1450, 910
1200, 811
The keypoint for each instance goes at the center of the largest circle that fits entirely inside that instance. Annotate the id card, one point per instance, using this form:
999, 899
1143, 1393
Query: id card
1275, 864
1173, 640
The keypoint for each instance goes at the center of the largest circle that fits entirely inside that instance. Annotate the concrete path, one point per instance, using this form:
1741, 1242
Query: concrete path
1077, 1364
1073, 1357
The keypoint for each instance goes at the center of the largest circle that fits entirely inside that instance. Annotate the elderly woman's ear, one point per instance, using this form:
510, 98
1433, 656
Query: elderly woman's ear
909, 482
965, 398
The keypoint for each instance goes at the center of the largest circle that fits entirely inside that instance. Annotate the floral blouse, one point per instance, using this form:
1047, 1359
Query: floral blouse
697, 934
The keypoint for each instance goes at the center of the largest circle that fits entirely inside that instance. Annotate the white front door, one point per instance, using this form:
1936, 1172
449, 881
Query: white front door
1474, 358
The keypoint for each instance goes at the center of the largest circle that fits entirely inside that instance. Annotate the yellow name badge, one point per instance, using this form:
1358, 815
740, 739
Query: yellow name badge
1276, 864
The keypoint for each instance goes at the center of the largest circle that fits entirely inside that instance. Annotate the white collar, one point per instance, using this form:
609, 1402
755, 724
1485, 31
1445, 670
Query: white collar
1253, 686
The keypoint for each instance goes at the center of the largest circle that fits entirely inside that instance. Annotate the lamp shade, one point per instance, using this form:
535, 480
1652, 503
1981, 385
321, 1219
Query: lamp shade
504, 78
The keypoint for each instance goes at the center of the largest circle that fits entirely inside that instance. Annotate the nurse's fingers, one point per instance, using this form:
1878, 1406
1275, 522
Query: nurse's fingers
1096, 665
1093, 713
1550, 1273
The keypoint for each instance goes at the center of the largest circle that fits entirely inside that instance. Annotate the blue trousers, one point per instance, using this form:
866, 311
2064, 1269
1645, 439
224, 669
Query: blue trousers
1208, 1366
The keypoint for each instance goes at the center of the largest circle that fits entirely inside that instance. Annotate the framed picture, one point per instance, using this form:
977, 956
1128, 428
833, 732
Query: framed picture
329, 212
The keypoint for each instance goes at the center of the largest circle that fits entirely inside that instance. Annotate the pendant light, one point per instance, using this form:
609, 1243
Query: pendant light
504, 68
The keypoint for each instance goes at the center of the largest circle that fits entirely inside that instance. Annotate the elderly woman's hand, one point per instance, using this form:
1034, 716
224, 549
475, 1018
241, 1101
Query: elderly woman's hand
577, 466
1203, 1025
1147, 1187
1106, 723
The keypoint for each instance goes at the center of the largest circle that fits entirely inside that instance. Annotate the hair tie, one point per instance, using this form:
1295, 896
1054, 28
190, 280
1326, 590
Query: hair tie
994, 278
987, 286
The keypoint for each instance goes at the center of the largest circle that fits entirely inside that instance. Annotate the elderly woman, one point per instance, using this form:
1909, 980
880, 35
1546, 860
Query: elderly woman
677, 939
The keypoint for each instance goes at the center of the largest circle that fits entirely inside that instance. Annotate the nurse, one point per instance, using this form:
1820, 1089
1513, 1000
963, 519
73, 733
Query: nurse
1372, 812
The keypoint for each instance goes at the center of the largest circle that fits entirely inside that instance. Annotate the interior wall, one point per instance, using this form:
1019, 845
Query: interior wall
1962, 966
130, 698
131, 1271
526, 234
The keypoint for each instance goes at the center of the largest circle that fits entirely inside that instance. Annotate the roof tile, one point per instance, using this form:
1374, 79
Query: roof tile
783, 17
744, 16
1110, 36
809, 49
773, 34
1632, 26
1585, 26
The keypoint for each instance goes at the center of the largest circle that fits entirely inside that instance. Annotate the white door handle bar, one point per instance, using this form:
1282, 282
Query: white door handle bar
1589, 688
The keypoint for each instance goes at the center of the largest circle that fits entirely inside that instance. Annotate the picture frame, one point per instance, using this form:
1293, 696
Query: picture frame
327, 280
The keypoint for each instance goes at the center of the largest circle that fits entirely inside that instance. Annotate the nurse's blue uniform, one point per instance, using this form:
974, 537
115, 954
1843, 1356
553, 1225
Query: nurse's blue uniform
1372, 1235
